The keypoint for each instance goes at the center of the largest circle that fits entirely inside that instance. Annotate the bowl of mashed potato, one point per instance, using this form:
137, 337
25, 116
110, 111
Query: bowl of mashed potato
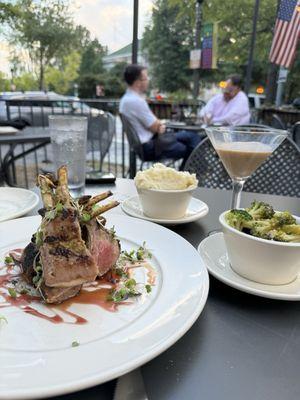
164, 192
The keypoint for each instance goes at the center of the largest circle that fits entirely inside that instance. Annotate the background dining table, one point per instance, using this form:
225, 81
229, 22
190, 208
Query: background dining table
241, 347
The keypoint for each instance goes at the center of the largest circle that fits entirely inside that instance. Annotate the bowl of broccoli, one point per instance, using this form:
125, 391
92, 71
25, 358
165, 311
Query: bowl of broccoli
263, 245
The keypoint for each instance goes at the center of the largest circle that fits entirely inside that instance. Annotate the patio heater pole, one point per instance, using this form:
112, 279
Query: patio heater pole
135, 32
197, 45
251, 51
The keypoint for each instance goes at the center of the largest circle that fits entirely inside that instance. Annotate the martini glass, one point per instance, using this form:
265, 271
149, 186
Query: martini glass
242, 150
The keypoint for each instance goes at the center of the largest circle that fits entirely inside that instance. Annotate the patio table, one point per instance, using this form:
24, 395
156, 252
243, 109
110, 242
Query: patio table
186, 127
241, 346
33, 137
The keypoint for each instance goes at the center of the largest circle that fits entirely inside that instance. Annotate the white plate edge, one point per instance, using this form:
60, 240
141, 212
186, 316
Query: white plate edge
241, 286
24, 210
180, 221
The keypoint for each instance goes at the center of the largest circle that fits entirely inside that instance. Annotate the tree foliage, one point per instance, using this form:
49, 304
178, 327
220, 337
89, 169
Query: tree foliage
171, 32
167, 42
8, 12
45, 29
111, 82
92, 58
61, 78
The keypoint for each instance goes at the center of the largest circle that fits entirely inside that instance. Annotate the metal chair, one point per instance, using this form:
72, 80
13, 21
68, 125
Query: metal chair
101, 130
280, 174
296, 133
136, 148
276, 122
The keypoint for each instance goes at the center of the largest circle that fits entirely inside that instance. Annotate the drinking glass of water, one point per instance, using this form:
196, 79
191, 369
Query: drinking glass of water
68, 139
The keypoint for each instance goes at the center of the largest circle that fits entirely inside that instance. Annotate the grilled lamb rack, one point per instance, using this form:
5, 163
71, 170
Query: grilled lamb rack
72, 246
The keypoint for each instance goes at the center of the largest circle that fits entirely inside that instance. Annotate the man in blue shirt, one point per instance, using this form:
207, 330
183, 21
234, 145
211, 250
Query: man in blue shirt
134, 107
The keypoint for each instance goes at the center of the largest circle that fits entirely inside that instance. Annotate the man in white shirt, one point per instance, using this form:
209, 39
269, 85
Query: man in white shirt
135, 108
228, 108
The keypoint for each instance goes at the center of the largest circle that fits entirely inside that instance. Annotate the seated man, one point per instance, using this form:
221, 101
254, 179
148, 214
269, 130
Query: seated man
228, 108
135, 108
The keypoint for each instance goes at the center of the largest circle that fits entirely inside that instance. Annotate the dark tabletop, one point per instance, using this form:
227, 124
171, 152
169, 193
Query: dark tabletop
27, 135
241, 347
187, 127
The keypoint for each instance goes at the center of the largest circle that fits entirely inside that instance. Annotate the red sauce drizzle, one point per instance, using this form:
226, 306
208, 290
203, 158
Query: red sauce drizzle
93, 293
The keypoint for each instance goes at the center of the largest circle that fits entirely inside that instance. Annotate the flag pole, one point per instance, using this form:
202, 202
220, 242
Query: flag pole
197, 45
252, 45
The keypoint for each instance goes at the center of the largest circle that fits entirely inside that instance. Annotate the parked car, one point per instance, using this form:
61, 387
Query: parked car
33, 108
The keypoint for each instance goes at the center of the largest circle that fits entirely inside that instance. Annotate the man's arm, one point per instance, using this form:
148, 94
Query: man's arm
208, 108
148, 119
157, 127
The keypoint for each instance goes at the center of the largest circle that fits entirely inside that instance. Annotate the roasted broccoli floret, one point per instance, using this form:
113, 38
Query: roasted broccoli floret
238, 219
262, 228
267, 229
283, 218
260, 210
262, 221
287, 235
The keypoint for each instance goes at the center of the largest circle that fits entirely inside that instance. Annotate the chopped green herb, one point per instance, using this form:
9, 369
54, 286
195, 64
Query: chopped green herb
85, 217
128, 290
38, 277
12, 292
8, 260
130, 284
121, 272
148, 288
75, 343
38, 238
59, 207
112, 232
50, 215
133, 256
2, 318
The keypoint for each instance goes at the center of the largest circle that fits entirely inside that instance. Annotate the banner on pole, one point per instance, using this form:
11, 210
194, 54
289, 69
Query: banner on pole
209, 45
195, 59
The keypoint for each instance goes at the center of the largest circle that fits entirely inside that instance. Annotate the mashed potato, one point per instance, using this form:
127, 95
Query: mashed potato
161, 177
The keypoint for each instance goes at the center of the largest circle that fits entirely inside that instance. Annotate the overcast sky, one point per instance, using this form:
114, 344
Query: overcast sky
111, 20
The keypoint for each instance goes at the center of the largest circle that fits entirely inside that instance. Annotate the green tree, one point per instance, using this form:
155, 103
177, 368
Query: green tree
46, 30
8, 12
113, 82
87, 85
171, 18
167, 42
92, 58
91, 68
26, 81
4, 83
62, 78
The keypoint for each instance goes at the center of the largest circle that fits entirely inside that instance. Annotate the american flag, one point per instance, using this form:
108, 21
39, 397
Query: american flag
287, 32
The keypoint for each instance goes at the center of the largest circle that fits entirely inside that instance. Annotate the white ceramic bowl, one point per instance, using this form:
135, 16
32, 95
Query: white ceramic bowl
261, 260
165, 204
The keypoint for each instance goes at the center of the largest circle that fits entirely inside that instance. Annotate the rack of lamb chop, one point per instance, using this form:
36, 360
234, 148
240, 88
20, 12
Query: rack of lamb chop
72, 245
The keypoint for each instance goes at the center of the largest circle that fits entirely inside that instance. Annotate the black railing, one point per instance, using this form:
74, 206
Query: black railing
25, 159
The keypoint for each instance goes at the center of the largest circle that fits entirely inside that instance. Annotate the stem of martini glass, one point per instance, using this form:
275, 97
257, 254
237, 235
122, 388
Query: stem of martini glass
237, 187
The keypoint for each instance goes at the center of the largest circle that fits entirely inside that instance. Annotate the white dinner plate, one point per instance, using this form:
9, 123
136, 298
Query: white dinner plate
214, 254
196, 209
15, 202
37, 358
